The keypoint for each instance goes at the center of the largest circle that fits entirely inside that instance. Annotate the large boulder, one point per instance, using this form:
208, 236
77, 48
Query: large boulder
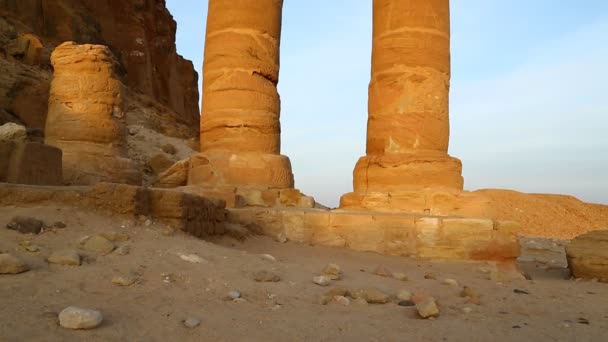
588, 255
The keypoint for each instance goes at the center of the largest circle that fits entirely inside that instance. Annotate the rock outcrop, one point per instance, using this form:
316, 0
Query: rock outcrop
240, 129
588, 255
141, 33
86, 116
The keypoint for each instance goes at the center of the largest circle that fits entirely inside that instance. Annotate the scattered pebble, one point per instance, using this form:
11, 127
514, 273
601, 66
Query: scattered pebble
372, 295
468, 292
341, 300
467, 310
233, 295
282, 238
99, 244
333, 271
329, 295
518, 291
404, 295
321, 280
383, 271
239, 300
427, 308
430, 276
268, 257
266, 277
124, 280
115, 236
10, 264
192, 322
25, 225
65, 257
400, 276
78, 318
451, 282
193, 258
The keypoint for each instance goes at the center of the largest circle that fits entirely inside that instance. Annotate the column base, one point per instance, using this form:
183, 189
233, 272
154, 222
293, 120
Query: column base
242, 170
407, 171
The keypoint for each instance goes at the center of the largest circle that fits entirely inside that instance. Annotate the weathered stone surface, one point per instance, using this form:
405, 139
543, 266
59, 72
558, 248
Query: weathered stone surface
333, 271
124, 279
65, 257
408, 122
86, 116
264, 276
240, 128
588, 255
10, 264
321, 280
78, 318
142, 33
26, 162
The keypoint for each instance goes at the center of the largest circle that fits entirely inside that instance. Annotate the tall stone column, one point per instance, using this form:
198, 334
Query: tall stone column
240, 128
408, 110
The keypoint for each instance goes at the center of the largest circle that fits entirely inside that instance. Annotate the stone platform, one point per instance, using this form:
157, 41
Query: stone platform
388, 233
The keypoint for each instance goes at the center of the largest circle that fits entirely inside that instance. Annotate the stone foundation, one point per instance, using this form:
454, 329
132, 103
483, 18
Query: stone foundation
388, 233
196, 215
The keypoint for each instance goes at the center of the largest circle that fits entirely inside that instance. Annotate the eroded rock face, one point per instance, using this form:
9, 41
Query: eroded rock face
141, 33
588, 255
86, 116
408, 122
240, 129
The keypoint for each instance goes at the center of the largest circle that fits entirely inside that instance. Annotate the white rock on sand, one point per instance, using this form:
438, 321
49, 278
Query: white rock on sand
78, 318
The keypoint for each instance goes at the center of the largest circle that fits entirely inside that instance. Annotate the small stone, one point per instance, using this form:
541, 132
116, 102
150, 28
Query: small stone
10, 264
467, 310
282, 238
239, 300
25, 225
115, 236
123, 250
266, 277
148, 223
233, 295
427, 308
430, 276
59, 225
450, 282
383, 271
99, 244
78, 318
333, 271
268, 257
518, 291
468, 292
133, 130
329, 295
193, 258
168, 148
404, 295
321, 280
400, 276
124, 280
192, 322
32, 248
65, 257
83, 240
341, 300
372, 296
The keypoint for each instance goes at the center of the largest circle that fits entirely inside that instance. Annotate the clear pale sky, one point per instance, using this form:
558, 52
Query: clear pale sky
529, 91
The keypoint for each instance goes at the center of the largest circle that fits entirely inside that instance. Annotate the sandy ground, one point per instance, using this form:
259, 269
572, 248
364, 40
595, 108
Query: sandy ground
153, 309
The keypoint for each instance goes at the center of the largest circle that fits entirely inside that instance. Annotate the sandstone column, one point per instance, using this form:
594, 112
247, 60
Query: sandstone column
86, 116
408, 123
240, 129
